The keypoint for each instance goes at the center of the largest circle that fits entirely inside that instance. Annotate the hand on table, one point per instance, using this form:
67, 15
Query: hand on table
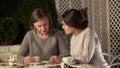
54, 60
28, 60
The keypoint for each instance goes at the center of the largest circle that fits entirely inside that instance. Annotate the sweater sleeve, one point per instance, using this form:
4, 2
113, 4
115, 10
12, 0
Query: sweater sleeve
24, 49
63, 45
88, 48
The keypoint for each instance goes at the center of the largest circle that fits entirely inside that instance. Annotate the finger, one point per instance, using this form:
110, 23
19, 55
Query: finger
50, 61
10, 57
32, 59
26, 60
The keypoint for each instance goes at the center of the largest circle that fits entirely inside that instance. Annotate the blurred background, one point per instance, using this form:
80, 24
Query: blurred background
103, 16
15, 16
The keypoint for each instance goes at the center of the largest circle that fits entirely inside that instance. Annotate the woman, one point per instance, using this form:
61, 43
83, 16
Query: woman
85, 45
49, 44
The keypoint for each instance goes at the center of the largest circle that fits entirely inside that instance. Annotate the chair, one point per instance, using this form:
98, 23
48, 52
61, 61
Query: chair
112, 62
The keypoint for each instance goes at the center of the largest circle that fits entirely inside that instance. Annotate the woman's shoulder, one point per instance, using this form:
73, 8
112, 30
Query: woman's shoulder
55, 31
91, 31
30, 33
87, 30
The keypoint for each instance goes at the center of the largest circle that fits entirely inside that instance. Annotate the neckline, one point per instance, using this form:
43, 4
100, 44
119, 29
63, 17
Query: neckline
36, 36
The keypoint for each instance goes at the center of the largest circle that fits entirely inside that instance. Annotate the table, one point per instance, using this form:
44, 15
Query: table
44, 64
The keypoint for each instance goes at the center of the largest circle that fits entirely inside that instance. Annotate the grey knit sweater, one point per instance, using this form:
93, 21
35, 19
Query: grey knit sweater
32, 45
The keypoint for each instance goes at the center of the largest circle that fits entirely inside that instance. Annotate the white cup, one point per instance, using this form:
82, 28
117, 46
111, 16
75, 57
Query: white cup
12, 60
68, 60
37, 58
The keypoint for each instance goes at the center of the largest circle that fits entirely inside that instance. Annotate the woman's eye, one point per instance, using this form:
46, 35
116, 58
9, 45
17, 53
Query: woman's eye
39, 26
45, 24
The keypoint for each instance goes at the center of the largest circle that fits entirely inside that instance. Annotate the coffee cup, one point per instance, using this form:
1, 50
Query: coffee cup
12, 60
37, 58
68, 60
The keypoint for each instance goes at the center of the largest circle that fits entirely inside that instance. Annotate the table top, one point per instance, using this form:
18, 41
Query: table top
43, 64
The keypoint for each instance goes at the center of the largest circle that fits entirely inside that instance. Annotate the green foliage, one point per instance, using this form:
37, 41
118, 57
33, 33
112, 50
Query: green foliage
7, 7
21, 10
84, 11
26, 7
8, 30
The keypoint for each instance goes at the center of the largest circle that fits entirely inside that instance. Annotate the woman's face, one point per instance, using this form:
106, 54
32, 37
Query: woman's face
42, 26
67, 29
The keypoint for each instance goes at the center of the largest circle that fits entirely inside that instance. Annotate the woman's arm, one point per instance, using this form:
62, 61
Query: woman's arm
63, 45
88, 48
63, 49
24, 49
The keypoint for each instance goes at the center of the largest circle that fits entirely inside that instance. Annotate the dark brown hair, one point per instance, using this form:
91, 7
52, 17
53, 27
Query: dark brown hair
74, 18
38, 14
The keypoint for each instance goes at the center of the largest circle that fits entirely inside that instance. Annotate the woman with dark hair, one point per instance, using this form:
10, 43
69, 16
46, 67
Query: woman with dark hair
43, 41
85, 46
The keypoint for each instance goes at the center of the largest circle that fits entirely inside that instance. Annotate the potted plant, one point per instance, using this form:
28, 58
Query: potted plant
8, 30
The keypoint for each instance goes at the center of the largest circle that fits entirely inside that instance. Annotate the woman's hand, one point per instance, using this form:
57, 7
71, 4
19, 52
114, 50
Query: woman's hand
28, 60
54, 60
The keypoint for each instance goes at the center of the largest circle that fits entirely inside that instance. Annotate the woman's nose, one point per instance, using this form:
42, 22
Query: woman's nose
63, 27
42, 28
